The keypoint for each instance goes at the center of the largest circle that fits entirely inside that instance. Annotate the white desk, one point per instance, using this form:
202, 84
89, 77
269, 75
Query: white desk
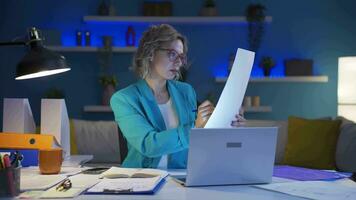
171, 190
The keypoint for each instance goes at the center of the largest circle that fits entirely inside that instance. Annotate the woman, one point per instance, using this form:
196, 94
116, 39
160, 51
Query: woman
156, 113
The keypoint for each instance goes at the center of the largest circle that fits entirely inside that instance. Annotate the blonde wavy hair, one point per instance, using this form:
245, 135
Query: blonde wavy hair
155, 38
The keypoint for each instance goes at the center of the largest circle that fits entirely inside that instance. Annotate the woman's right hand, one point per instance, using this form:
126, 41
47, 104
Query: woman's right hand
204, 112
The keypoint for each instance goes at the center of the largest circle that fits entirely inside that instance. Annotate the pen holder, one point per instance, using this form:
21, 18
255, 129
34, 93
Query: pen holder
10, 182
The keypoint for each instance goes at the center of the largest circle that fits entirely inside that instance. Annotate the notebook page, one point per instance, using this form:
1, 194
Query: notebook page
118, 172
148, 172
326, 190
122, 184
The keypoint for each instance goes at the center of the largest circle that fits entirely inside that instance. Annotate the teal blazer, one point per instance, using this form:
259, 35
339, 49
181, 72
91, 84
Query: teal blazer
140, 120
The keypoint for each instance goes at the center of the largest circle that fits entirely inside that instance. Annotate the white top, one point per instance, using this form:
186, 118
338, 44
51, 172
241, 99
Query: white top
171, 121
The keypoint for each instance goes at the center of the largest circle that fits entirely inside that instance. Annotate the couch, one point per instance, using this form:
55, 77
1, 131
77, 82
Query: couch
104, 140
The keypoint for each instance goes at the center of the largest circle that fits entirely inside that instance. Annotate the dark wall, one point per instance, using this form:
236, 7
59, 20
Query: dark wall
322, 30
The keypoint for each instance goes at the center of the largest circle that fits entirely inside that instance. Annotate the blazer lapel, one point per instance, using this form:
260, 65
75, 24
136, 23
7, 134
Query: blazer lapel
150, 105
178, 103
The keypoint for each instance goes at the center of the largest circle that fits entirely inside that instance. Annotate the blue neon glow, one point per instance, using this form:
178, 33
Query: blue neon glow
257, 72
118, 34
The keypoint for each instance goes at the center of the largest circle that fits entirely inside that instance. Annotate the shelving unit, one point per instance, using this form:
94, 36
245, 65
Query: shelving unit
104, 109
172, 20
91, 49
181, 20
295, 79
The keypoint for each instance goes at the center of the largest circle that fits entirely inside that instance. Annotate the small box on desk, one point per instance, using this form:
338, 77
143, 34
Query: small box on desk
10, 181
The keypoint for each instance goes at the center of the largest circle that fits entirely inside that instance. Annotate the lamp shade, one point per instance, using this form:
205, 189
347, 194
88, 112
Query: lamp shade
346, 92
40, 61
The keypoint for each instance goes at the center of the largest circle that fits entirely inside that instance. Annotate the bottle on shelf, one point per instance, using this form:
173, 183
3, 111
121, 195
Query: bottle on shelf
87, 38
78, 38
130, 36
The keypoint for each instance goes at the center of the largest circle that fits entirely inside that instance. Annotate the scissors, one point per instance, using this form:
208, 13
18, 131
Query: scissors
16, 158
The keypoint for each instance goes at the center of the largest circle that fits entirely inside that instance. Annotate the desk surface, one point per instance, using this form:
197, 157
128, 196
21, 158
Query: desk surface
172, 190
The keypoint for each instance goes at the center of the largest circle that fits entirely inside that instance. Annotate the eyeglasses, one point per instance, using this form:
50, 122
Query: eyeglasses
64, 185
173, 55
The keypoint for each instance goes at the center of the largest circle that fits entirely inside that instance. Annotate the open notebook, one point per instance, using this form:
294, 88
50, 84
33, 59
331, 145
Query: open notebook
118, 172
118, 180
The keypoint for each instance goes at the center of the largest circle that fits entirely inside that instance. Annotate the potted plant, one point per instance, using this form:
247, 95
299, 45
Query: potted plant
107, 80
109, 83
267, 63
209, 9
255, 16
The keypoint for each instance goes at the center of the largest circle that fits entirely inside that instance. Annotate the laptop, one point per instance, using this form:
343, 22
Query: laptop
242, 155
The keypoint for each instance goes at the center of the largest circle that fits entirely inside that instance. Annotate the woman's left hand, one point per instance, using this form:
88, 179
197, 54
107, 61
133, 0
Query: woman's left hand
239, 118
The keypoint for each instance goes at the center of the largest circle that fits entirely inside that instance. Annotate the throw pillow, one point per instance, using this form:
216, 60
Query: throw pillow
312, 143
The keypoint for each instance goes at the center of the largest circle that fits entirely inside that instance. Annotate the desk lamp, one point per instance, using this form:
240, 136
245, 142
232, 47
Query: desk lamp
39, 61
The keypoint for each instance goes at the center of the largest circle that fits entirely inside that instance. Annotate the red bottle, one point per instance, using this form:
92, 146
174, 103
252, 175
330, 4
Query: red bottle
130, 36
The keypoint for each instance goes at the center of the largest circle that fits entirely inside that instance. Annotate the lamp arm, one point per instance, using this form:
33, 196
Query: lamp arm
12, 43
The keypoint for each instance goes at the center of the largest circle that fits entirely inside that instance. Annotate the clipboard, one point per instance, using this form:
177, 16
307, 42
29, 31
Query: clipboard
128, 191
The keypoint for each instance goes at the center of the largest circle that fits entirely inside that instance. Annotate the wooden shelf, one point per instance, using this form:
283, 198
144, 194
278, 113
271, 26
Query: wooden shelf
297, 79
91, 49
99, 108
170, 19
254, 109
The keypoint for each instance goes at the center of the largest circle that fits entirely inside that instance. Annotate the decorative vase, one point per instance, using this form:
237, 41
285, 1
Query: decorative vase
108, 91
107, 41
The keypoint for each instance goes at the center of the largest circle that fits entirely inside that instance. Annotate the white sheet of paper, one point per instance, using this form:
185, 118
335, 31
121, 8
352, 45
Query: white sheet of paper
31, 179
76, 160
80, 182
234, 91
39, 182
326, 190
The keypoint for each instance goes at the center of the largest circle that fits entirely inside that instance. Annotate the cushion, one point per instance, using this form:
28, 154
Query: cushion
281, 140
312, 143
98, 138
346, 148
73, 142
